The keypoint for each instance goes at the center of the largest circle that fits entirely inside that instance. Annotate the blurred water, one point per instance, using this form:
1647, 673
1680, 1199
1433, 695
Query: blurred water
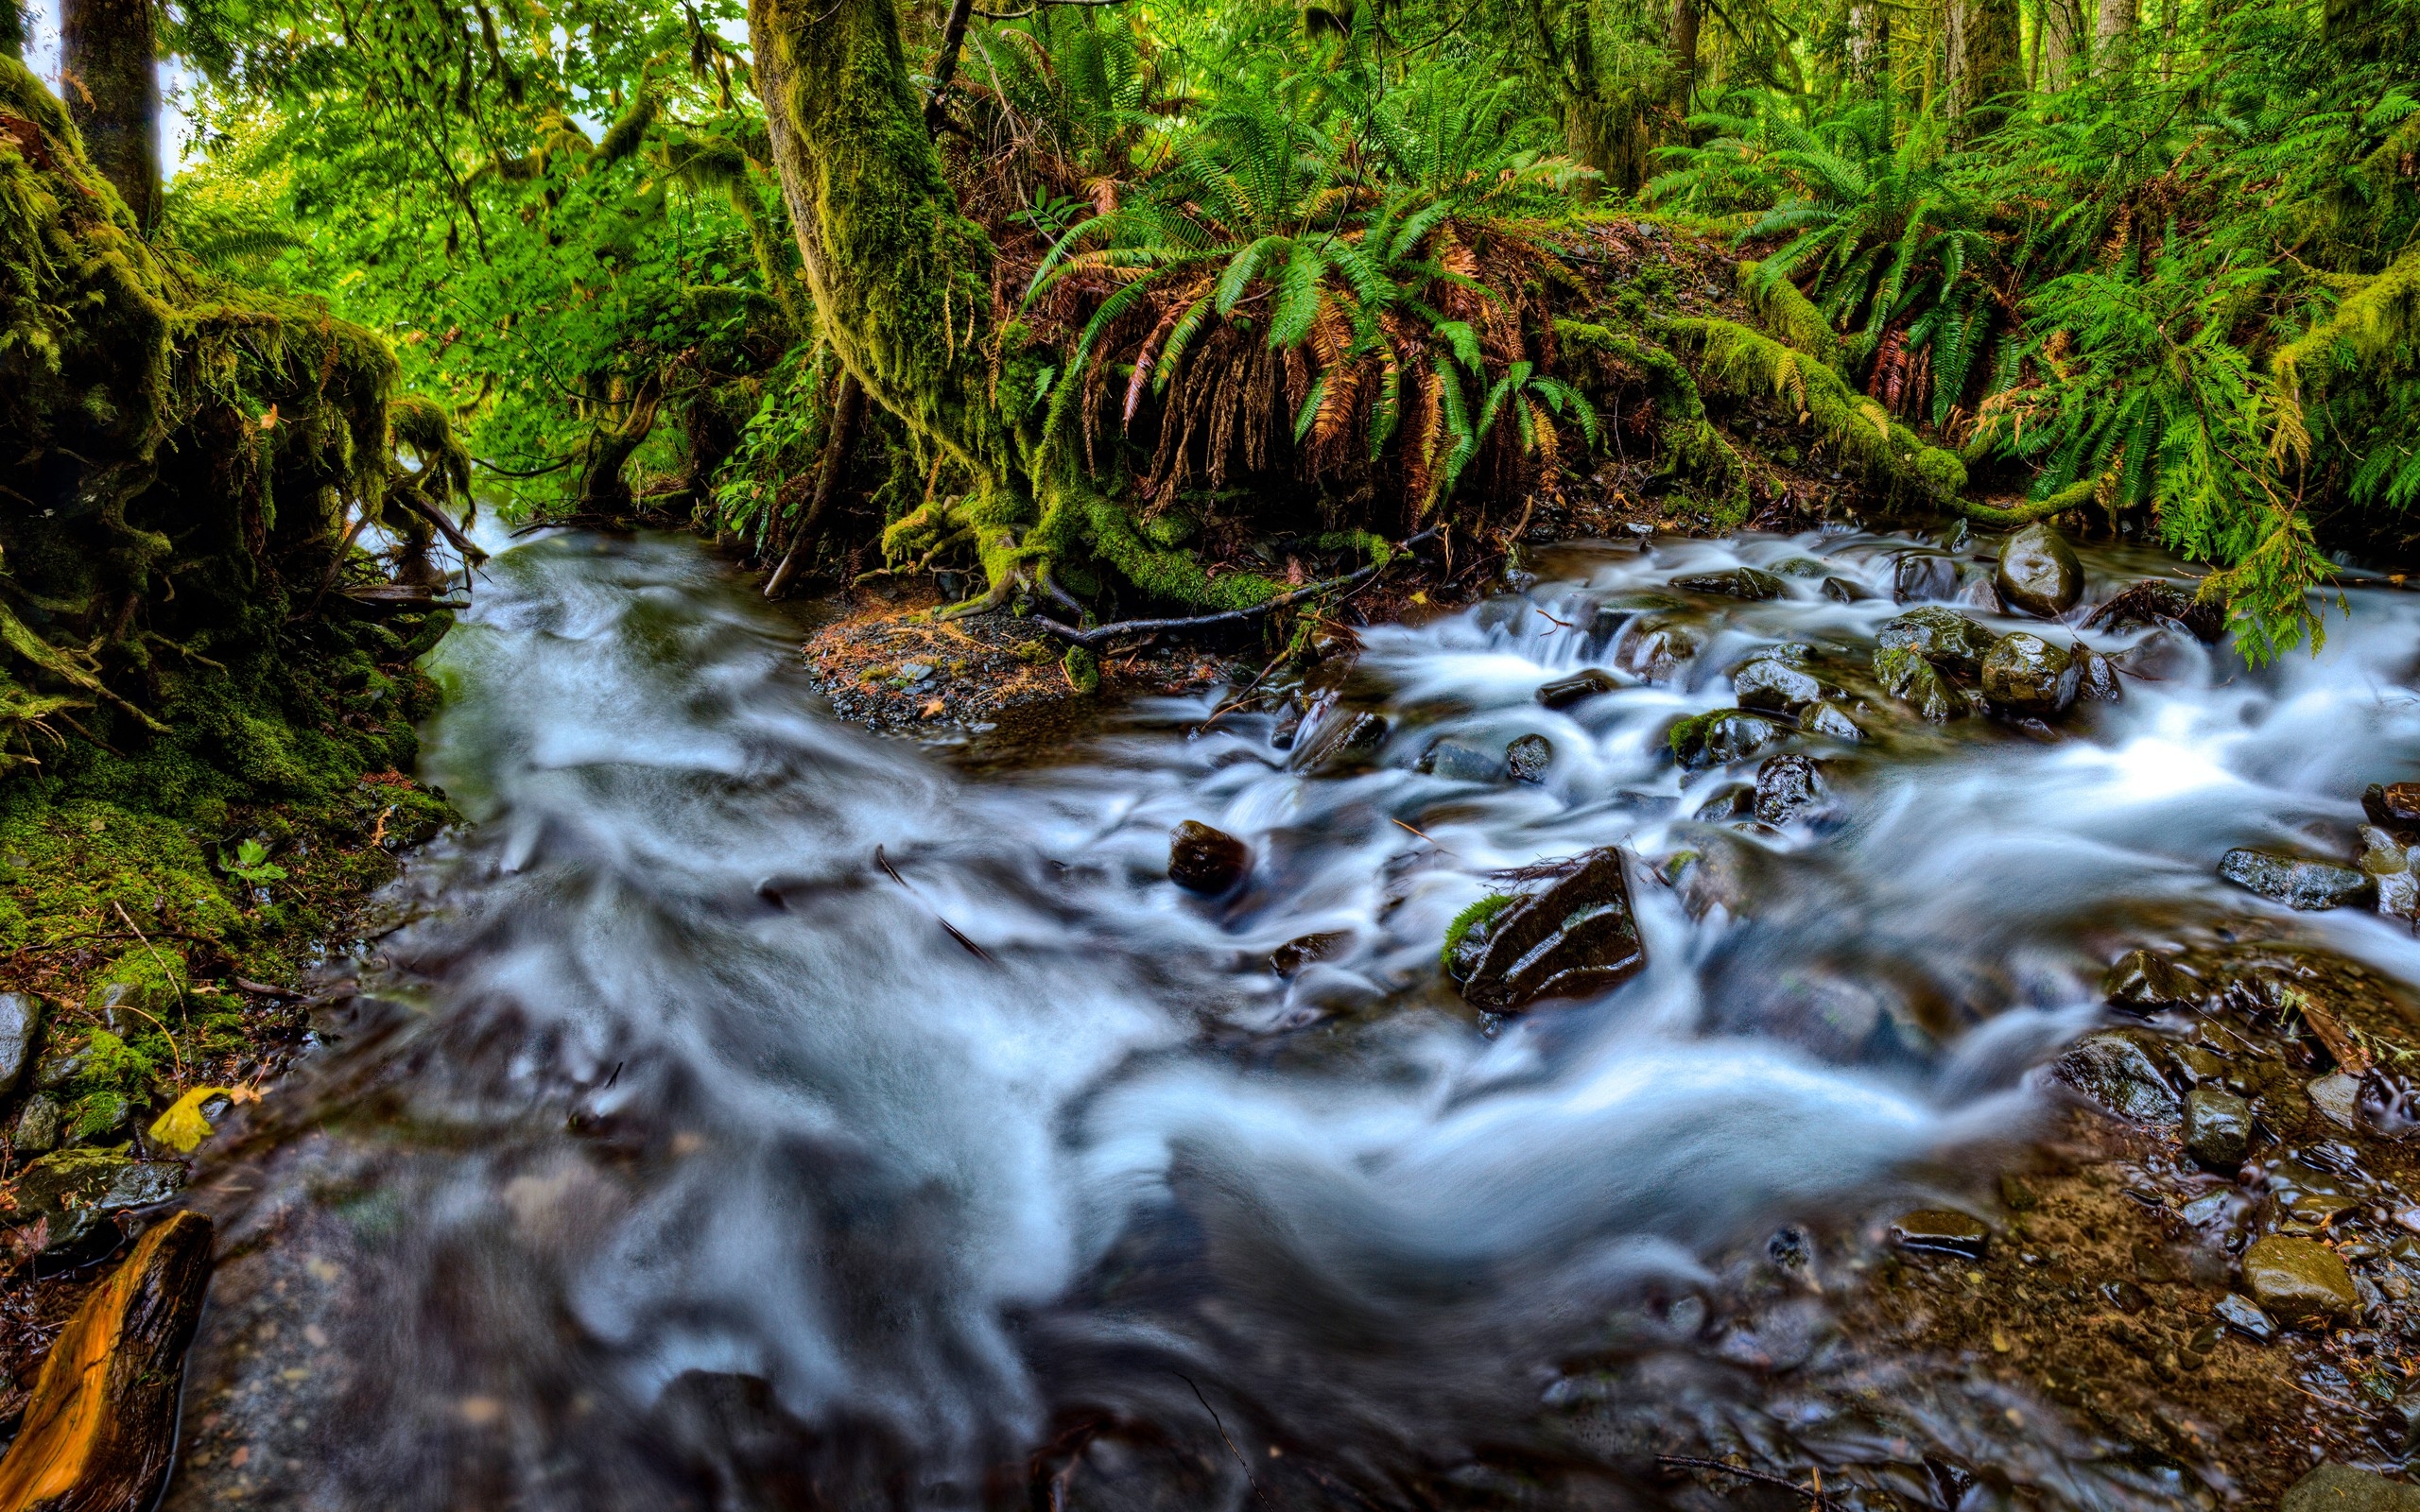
679, 1155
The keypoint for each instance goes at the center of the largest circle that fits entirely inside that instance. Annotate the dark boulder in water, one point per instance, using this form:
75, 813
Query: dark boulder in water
1776, 679
1346, 740
1919, 576
2297, 882
1947, 638
1737, 582
1656, 648
1527, 758
2038, 574
2218, 1127
2025, 675
1788, 786
1573, 937
1916, 683
1206, 861
2154, 601
2097, 678
2118, 1072
1724, 736
2143, 982
1582, 685
1460, 761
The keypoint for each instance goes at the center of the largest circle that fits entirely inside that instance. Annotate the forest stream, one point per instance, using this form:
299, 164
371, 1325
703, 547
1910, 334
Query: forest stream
748, 1112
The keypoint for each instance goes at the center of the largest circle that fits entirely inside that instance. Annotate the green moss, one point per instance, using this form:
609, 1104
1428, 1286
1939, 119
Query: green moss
1687, 735
1083, 669
1472, 918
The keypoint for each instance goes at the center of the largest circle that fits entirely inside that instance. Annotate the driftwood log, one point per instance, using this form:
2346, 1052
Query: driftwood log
102, 1427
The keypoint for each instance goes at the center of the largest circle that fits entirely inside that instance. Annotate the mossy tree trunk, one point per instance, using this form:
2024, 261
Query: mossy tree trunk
1986, 62
1689, 22
110, 61
2113, 31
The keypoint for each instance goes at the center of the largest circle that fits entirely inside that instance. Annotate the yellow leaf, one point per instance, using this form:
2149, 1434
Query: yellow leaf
182, 1125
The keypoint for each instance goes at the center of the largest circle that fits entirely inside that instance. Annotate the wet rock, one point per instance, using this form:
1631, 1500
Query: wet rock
2246, 1319
2296, 881
2294, 1278
100, 1428
37, 1130
2218, 1127
1787, 787
2395, 869
1345, 741
2392, 805
2119, 1071
1564, 692
2337, 1097
1916, 683
1458, 761
1724, 736
1737, 582
2397, 1425
1776, 679
19, 1026
1919, 576
1657, 650
1572, 937
61, 1066
1942, 1230
2154, 601
2143, 982
2097, 678
1294, 954
2027, 675
1841, 589
1206, 861
74, 1192
1604, 623
1945, 638
1527, 758
1806, 569
1731, 803
2388, 1102
2038, 573
2343, 1488
1831, 721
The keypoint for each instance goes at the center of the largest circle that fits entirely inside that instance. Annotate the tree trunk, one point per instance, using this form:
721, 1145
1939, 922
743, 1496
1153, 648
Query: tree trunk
2062, 42
1688, 20
604, 490
848, 411
110, 75
1869, 49
1985, 61
2112, 33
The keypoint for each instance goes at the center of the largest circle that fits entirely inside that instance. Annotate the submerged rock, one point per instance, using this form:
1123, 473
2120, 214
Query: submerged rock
1724, 736
1916, 683
1830, 720
2038, 573
1736, 582
1345, 741
2395, 869
1527, 758
2218, 1127
1573, 937
2296, 881
2343, 1488
1918, 575
1787, 787
2142, 982
1206, 861
1564, 692
1460, 761
1776, 679
1942, 1230
1841, 591
1657, 650
2027, 675
1295, 954
1942, 637
2119, 1071
2294, 1277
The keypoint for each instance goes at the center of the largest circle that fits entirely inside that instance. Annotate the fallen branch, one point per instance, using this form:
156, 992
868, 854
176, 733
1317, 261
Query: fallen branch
410, 500
1103, 635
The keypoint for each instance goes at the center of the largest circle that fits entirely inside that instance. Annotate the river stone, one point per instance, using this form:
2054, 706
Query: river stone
2395, 805
2218, 1127
75, 1189
20, 1023
1604, 623
1942, 1230
1830, 720
1916, 683
2398, 1425
37, 1128
1841, 591
1804, 568
2038, 574
2295, 1277
2155, 602
1944, 637
1918, 575
1564, 692
2027, 675
1573, 938
2119, 1071
1657, 650
2145, 982
1787, 787
1736, 582
1776, 679
2343, 1488
1527, 758
2097, 678
2395, 867
1458, 761
61, 1066
1347, 740
2296, 881
1206, 861
1724, 736
2337, 1097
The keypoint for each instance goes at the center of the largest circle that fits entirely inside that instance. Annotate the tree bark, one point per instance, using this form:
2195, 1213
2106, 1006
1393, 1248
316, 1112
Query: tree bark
1985, 61
945, 66
1869, 49
110, 75
848, 411
2061, 43
2113, 31
1687, 21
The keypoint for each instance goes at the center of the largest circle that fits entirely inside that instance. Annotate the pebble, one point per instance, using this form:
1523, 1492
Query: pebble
2142, 982
1527, 758
2119, 1071
1582, 685
2217, 1126
2337, 1096
1206, 861
2245, 1319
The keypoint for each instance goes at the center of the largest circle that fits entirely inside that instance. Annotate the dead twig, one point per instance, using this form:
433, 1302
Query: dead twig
955, 932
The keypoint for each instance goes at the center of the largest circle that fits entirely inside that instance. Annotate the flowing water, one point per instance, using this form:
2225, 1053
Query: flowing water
750, 1111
